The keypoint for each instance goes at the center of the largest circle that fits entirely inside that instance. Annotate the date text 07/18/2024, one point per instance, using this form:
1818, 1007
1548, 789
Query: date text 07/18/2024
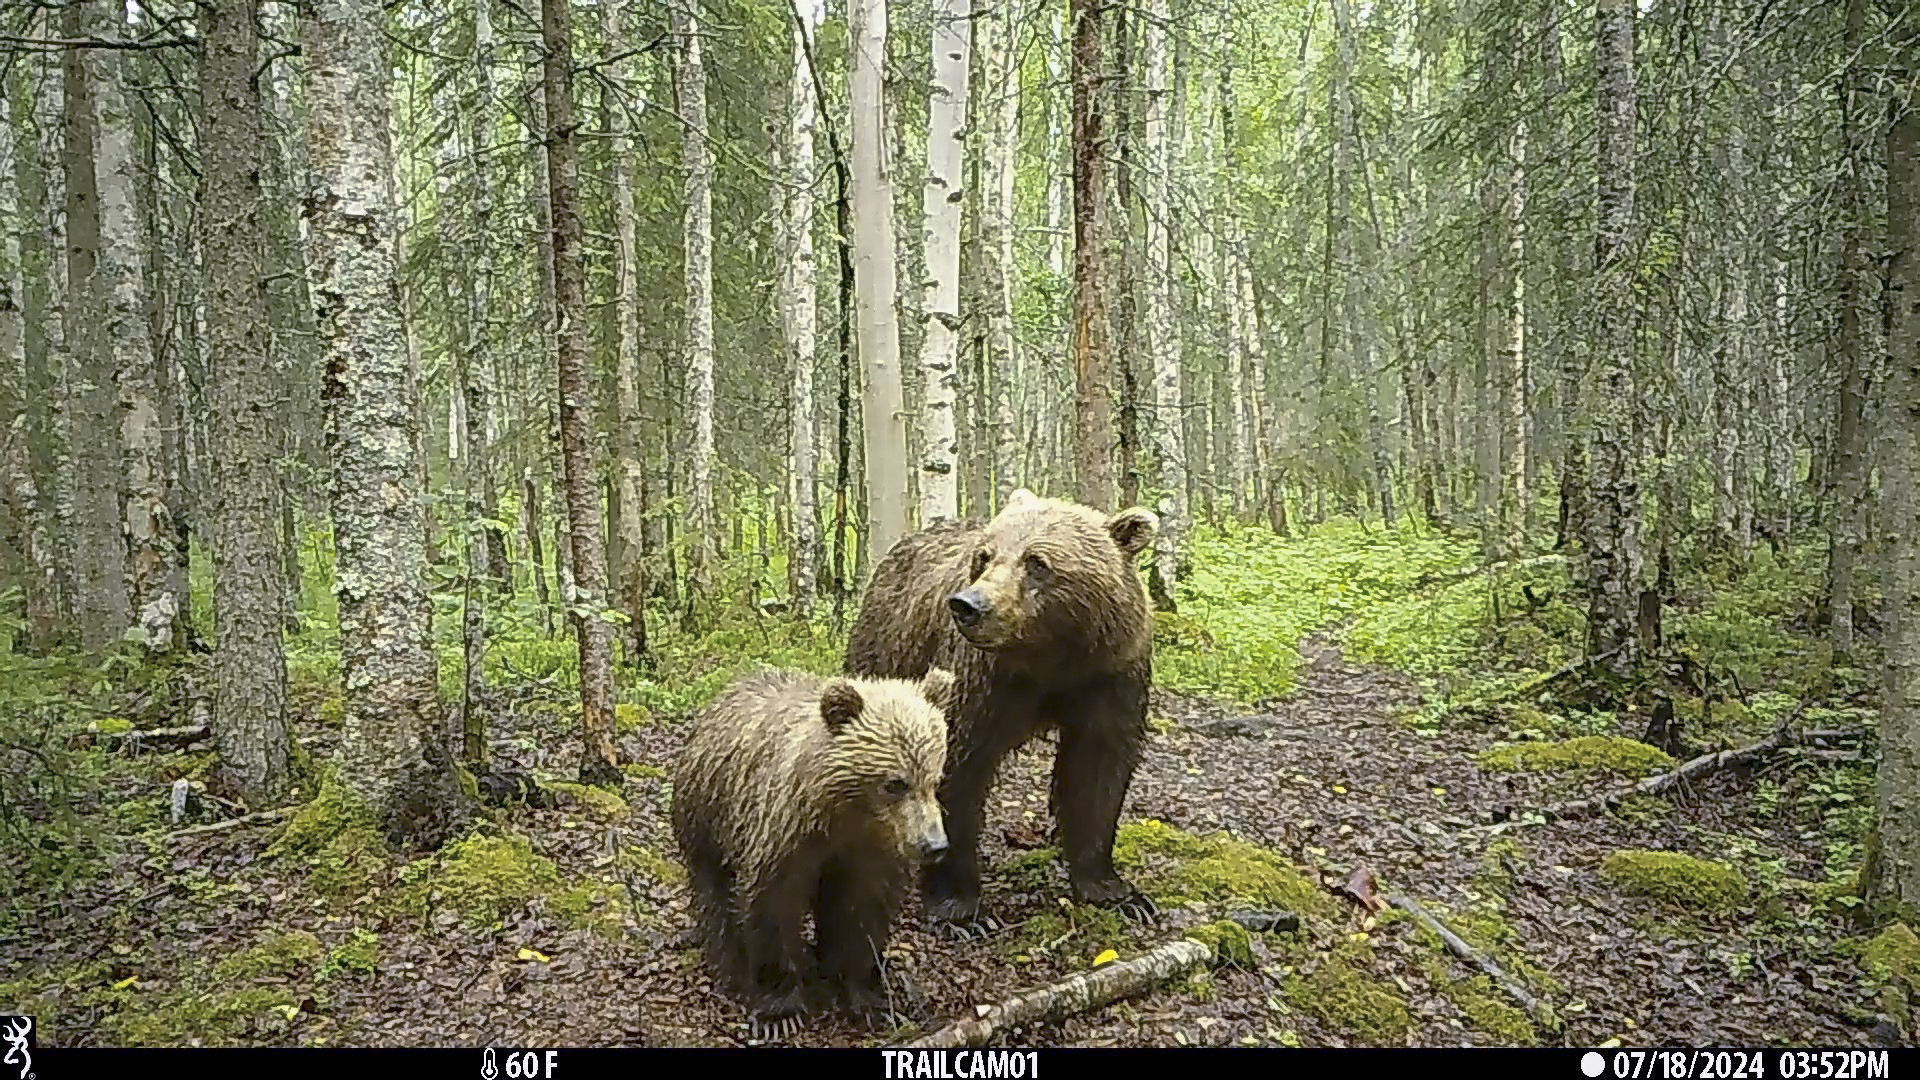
962, 1064
1737, 1065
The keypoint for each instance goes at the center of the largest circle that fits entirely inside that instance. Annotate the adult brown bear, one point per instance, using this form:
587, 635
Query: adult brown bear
1041, 616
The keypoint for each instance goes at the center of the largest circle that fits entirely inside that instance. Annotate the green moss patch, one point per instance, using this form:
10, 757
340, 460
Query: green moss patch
284, 957
1183, 869
629, 718
1348, 999
645, 772
1609, 752
205, 1019
334, 810
485, 879
1231, 943
1079, 933
1488, 1013
1677, 880
1030, 870
359, 954
653, 865
595, 801
1893, 956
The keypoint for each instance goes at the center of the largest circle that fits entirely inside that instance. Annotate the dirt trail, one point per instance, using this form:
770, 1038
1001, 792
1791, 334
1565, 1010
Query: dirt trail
1331, 777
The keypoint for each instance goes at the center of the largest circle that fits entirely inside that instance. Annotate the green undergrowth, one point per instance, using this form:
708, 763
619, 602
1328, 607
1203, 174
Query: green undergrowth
486, 880
1252, 598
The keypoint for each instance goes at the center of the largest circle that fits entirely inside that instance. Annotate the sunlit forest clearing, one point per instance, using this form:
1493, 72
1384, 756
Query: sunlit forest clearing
417, 414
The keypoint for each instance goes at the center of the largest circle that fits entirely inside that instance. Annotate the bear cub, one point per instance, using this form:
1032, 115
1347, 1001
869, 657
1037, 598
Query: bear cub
797, 794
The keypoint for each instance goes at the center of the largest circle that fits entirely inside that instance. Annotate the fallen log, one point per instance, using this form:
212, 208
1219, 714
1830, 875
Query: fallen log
264, 817
1537, 1009
156, 738
1698, 767
1078, 993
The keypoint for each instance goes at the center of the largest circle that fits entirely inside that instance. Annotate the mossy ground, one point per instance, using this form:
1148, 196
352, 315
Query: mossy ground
1181, 870
1677, 880
1343, 994
1589, 752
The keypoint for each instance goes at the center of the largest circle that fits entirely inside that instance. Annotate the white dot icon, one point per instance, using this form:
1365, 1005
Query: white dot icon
1592, 1064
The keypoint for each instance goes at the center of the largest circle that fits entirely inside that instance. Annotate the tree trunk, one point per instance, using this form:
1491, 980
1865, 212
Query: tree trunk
1003, 138
587, 601
690, 80
1163, 342
1847, 518
883, 409
946, 124
1897, 877
44, 602
250, 721
1613, 554
630, 463
1093, 367
99, 563
802, 327
392, 755
1516, 496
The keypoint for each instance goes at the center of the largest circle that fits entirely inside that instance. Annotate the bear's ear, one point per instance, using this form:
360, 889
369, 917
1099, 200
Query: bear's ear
937, 687
840, 704
1021, 495
1132, 529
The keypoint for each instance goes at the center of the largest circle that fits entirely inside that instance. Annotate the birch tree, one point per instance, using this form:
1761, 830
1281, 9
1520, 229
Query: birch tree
690, 80
1163, 342
883, 407
1000, 30
945, 196
631, 468
801, 311
392, 756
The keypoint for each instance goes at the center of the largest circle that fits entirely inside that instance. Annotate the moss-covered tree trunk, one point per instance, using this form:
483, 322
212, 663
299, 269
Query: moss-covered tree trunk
392, 755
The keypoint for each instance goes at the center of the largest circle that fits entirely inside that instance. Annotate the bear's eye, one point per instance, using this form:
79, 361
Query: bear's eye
1039, 567
897, 786
980, 560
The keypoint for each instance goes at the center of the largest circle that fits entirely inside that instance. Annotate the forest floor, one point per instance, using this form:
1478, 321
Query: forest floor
564, 926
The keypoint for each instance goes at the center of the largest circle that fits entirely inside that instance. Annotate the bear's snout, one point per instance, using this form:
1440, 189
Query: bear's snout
932, 847
969, 606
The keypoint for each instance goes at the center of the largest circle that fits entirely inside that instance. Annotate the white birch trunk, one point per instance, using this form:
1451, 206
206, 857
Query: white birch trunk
945, 197
997, 218
697, 163
883, 408
1163, 344
801, 309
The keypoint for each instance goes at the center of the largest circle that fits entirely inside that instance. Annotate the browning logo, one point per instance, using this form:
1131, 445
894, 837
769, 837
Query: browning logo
17, 1033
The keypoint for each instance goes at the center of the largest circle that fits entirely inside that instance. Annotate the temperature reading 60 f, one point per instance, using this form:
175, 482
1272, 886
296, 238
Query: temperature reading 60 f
530, 1065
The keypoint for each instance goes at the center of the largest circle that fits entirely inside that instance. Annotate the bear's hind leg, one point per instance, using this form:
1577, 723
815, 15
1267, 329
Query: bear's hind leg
1091, 772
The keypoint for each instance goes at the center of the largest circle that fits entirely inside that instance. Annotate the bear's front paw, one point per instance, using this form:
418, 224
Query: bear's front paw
869, 1009
959, 919
1117, 895
778, 1019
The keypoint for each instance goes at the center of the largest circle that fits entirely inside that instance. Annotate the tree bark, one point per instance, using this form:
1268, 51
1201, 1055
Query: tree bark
883, 408
630, 464
587, 602
944, 197
1613, 554
1848, 513
392, 756
690, 81
1163, 342
250, 720
802, 312
1093, 367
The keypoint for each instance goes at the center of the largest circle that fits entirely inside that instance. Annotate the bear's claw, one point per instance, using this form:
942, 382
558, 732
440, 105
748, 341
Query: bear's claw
767, 1028
1139, 908
977, 928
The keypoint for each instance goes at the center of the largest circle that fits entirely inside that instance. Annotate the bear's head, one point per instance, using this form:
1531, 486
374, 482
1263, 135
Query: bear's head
889, 752
1053, 573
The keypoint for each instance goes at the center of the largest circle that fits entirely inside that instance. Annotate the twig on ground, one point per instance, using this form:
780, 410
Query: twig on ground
1458, 946
264, 817
1691, 770
1078, 993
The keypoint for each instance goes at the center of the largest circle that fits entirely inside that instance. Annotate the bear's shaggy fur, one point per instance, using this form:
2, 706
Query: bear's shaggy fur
1041, 616
798, 794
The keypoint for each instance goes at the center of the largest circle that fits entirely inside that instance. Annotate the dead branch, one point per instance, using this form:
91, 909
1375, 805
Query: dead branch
1458, 946
264, 817
1075, 994
1691, 770
155, 737
1535, 687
